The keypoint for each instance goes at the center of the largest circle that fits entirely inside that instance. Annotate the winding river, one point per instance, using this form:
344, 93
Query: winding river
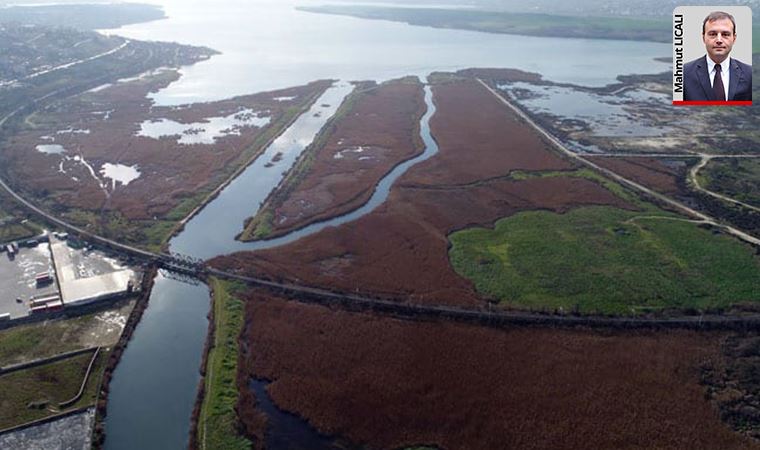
166, 348
154, 386
243, 197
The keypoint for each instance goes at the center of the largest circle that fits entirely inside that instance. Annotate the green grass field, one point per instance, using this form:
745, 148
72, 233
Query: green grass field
16, 231
47, 385
13, 225
599, 260
42, 340
216, 424
735, 178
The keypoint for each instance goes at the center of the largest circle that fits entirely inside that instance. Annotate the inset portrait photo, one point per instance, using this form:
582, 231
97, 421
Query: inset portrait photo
712, 55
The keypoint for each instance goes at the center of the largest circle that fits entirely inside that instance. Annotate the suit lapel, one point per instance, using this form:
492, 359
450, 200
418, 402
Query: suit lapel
737, 77
704, 78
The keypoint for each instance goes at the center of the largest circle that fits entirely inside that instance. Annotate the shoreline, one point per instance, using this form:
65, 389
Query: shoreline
180, 226
101, 402
311, 165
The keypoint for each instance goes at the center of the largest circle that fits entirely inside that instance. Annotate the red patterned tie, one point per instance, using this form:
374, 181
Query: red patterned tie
720, 94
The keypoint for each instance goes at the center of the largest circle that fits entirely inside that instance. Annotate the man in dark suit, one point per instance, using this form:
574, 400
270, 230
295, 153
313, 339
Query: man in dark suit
715, 76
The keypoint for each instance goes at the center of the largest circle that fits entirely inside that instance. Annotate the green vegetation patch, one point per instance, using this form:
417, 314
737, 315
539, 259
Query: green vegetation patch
39, 340
30, 342
12, 229
217, 421
736, 178
605, 260
35, 393
14, 224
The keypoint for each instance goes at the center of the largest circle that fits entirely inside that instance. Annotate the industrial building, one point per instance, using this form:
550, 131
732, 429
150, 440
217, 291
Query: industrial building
47, 274
87, 276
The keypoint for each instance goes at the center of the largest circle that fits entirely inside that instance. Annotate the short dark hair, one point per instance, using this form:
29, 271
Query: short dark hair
718, 15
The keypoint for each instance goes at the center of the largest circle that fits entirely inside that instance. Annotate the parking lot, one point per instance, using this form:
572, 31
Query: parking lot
17, 279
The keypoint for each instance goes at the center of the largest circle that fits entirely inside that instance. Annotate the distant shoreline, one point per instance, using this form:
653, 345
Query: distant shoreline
526, 24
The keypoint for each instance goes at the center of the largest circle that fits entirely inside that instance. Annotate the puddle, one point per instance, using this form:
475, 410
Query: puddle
72, 130
342, 153
51, 149
105, 114
606, 115
120, 173
203, 132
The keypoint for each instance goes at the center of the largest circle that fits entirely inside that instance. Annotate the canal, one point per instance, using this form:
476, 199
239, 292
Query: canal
154, 386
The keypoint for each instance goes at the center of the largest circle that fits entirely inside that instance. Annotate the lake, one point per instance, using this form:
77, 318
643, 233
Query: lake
268, 45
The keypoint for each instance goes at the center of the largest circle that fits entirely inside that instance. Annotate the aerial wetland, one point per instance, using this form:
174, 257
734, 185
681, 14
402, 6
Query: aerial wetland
371, 160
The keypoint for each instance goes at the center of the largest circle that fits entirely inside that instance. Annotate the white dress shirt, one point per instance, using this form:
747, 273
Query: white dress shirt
724, 73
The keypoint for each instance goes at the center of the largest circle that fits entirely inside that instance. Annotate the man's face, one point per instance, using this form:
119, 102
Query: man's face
719, 38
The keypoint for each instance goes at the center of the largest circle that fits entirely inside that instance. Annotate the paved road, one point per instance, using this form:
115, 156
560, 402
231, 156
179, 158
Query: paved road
577, 157
67, 65
668, 155
72, 228
400, 307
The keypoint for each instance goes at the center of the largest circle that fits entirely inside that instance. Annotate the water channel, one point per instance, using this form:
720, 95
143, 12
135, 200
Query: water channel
226, 214
153, 389
140, 424
154, 386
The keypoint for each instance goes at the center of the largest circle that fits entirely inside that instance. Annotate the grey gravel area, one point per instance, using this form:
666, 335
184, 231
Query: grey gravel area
69, 433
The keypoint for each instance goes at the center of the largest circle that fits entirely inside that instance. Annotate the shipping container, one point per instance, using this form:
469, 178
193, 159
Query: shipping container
44, 301
55, 306
43, 278
39, 309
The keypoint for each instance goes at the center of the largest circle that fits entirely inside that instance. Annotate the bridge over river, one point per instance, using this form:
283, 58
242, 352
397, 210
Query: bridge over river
401, 307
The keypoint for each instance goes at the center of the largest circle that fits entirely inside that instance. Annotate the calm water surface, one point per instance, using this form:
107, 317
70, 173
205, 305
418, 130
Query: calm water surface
241, 199
265, 45
153, 389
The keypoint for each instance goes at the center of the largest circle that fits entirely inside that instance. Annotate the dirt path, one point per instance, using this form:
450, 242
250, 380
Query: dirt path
609, 173
706, 158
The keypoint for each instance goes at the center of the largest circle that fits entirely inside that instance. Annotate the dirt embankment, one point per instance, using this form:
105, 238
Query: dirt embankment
401, 248
98, 433
377, 129
104, 127
499, 75
390, 383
